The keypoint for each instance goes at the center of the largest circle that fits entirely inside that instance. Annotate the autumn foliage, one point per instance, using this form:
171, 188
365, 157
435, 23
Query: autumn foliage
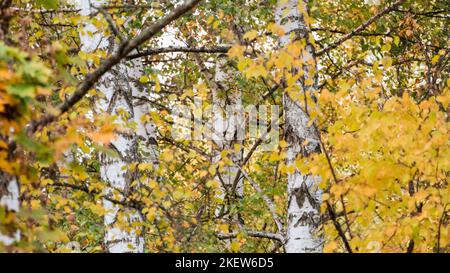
380, 107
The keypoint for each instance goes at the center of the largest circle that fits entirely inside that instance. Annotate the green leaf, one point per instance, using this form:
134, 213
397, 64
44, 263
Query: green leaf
48, 4
22, 90
42, 153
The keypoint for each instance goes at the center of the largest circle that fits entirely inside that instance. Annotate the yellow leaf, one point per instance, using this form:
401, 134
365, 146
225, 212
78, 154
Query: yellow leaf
283, 60
35, 204
5, 166
104, 135
152, 184
251, 35
330, 247
167, 156
386, 62
276, 29
144, 79
235, 246
3, 144
213, 184
435, 59
223, 228
120, 21
212, 169
157, 86
210, 20
189, 168
178, 194
236, 51
172, 97
151, 214
274, 157
145, 166
256, 71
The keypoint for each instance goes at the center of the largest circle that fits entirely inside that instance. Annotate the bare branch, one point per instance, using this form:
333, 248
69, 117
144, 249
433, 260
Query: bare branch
359, 29
338, 227
441, 221
337, 31
69, 10
266, 199
123, 50
258, 234
43, 11
330, 209
83, 188
111, 23
171, 49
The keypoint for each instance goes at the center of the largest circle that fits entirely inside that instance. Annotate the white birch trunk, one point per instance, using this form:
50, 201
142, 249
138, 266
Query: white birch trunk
226, 126
120, 235
9, 199
224, 130
120, 88
227, 105
303, 193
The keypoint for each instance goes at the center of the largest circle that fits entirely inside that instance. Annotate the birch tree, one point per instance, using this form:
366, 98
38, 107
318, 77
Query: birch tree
121, 91
227, 121
9, 186
88, 161
9, 199
303, 214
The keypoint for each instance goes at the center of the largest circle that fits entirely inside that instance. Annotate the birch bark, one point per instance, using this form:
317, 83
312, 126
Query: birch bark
121, 89
9, 199
226, 124
9, 185
227, 121
303, 215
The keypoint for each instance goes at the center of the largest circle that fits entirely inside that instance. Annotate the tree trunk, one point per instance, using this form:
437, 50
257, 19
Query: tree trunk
9, 199
9, 186
303, 195
224, 130
226, 126
226, 134
120, 88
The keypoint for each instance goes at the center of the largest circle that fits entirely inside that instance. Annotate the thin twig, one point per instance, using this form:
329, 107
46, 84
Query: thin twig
266, 199
171, 49
359, 29
123, 50
258, 234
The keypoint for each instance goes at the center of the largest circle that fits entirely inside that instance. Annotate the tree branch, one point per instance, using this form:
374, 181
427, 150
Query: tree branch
125, 203
69, 10
330, 210
111, 23
123, 50
171, 49
338, 227
441, 221
258, 234
43, 11
359, 29
337, 31
266, 199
